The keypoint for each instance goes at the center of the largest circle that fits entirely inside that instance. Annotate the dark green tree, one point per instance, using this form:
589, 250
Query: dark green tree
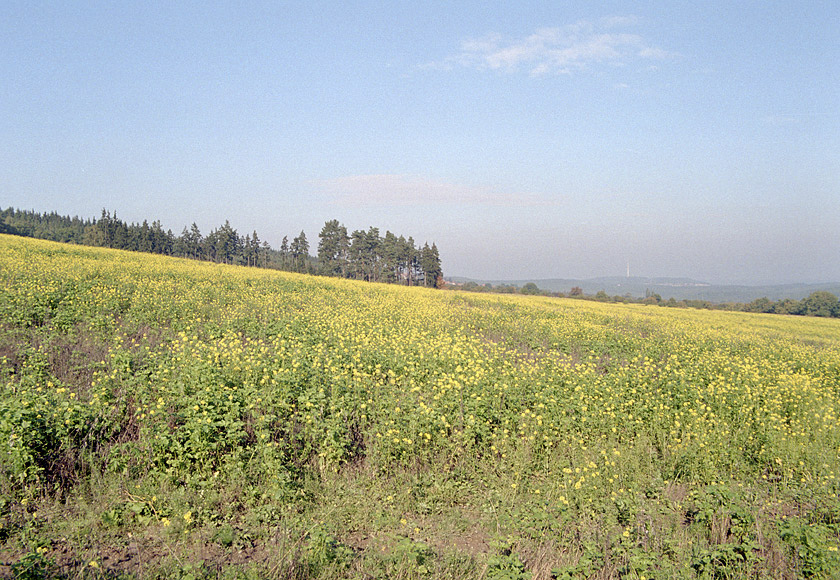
189, 242
820, 303
285, 254
390, 252
161, 241
224, 245
760, 305
143, 238
229, 244
356, 255
430, 265
333, 246
299, 250
373, 246
252, 249
359, 254
787, 306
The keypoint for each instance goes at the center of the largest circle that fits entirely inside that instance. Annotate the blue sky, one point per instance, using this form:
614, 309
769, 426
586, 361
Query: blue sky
535, 140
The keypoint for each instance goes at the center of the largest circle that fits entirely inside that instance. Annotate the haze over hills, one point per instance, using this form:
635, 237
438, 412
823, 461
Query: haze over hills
677, 288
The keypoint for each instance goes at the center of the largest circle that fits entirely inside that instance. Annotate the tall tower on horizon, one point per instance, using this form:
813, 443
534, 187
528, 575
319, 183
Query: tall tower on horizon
628, 268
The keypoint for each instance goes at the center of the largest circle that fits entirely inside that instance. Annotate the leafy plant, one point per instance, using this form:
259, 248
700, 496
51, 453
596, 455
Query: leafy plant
814, 545
506, 564
323, 551
35, 566
728, 560
590, 561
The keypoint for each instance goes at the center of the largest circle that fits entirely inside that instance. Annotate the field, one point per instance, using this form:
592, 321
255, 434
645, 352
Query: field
170, 418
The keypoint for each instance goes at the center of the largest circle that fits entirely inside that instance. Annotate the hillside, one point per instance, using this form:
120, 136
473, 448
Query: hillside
677, 288
163, 417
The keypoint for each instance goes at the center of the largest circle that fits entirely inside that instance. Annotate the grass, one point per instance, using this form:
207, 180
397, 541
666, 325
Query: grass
169, 418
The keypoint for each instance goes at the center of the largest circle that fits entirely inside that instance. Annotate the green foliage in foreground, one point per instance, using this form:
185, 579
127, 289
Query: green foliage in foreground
170, 418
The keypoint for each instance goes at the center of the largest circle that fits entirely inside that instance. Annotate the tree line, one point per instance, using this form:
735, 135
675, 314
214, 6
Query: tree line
365, 255
362, 255
818, 303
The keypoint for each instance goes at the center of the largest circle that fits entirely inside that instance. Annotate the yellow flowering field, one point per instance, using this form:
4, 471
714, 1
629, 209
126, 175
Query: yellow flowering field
244, 422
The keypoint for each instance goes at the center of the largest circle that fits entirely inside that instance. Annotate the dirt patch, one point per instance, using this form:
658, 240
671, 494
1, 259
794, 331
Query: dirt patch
474, 542
138, 557
74, 358
675, 492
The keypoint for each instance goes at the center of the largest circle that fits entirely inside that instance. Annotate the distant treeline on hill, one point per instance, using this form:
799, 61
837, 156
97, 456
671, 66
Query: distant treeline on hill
360, 255
819, 303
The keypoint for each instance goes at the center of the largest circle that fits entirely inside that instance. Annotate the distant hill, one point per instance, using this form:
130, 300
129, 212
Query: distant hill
677, 288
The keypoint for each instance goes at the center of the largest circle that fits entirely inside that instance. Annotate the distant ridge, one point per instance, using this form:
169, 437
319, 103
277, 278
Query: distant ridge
677, 288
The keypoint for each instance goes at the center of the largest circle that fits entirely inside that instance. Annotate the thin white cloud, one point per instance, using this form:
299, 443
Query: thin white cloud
557, 50
403, 190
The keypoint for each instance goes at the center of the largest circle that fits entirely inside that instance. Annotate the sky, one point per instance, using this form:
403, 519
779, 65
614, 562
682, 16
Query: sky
528, 140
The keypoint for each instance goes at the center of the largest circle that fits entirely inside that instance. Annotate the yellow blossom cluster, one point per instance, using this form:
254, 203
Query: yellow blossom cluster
221, 367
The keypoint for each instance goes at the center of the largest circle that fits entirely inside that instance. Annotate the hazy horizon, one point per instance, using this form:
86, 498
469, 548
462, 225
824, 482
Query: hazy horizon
528, 141
637, 279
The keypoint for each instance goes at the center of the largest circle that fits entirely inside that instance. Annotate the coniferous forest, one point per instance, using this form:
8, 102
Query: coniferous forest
359, 255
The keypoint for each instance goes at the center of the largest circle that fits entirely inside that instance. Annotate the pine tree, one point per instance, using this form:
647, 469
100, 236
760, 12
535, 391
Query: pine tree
332, 249
300, 253
285, 253
430, 264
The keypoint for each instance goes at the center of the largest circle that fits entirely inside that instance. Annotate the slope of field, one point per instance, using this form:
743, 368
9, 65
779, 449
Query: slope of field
162, 417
